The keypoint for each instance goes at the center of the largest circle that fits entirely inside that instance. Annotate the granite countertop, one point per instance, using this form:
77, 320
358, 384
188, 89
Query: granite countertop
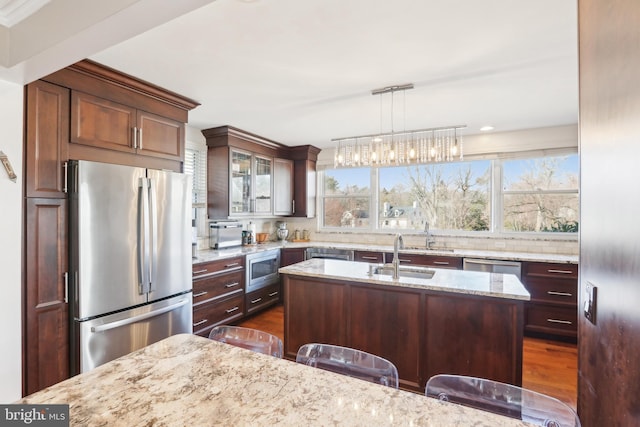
211, 255
186, 380
495, 285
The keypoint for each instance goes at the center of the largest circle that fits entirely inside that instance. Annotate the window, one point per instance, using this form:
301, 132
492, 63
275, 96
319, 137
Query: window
541, 194
447, 196
515, 195
347, 194
195, 164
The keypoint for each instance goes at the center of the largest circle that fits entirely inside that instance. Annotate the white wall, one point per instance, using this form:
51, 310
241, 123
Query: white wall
11, 122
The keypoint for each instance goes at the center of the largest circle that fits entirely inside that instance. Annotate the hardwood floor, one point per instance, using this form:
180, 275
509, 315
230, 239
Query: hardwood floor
548, 367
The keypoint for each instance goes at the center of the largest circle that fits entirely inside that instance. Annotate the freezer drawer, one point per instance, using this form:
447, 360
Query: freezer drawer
109, 337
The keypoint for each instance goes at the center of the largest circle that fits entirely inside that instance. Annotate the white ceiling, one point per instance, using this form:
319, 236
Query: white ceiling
301, 72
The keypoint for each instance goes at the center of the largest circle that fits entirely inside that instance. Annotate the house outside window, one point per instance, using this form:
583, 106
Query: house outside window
519, 194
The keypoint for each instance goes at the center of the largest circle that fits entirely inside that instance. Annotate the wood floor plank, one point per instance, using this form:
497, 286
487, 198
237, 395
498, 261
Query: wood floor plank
548, 367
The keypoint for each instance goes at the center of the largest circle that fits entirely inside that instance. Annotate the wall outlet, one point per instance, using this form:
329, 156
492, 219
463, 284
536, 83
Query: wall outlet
590, 302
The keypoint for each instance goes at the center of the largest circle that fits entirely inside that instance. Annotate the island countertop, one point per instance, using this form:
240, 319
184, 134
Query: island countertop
186, 380
495, 285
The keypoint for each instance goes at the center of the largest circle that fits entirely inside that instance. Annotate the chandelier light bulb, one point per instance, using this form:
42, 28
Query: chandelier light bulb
374, 156
412, 153
454, 149
340, 159
392, 155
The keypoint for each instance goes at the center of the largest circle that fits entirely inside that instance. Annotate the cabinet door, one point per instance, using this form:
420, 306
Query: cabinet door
283, 187
47, 139
290, 256
395, 317
160, 136
263, 186
305, 188
101, 123
46, 330
321, 305
240, 183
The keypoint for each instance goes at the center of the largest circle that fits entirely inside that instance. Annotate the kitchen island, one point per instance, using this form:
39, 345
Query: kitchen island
460, 322
186, 380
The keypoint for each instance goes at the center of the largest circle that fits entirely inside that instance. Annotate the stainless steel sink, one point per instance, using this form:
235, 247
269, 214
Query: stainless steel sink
413, 272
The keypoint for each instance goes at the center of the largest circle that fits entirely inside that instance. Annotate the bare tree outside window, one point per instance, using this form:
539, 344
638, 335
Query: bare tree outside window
541, 195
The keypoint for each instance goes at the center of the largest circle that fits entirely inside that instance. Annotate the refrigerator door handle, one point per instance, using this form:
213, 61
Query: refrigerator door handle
153, 226
143, 236
139, 318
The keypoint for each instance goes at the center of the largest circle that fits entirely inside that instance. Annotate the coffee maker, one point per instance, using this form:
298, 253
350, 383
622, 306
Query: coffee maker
282, 231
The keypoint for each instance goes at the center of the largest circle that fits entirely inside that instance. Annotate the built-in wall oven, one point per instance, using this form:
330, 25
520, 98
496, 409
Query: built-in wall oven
262, 269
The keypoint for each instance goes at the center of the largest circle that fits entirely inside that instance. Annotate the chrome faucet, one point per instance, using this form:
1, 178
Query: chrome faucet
430, 239
397, 245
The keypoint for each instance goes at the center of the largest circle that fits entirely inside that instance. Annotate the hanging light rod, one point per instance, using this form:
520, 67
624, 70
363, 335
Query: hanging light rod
392, 89
408, 132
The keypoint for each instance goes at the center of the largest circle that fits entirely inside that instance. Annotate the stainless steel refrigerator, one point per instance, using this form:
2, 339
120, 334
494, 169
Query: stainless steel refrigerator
130, 259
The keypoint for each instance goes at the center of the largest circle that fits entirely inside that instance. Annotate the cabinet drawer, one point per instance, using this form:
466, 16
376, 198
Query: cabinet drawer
436, 261
369, 256
563, 292
550, 319
217, 266
263, 297
543, 269
210, 287
206, 316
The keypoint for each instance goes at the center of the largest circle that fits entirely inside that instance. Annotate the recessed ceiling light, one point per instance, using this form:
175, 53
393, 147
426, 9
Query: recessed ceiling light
486, 128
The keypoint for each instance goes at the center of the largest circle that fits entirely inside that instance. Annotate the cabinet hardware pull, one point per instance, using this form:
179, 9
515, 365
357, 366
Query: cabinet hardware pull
200, 271
233, 264
135, 137
256, 300
375, 258
408, 261
564, 322
561, 294
66, 287
202, 322
441, 262
199, 294
560, 271
231, 310
140, 138
273, 294
65, 178
231, 285
293, 206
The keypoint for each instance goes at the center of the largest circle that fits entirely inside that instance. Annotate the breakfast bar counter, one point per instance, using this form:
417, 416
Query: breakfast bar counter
186, 380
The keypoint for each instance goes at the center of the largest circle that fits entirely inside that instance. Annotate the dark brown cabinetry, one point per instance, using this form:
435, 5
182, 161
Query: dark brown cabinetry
263, 298
113, 101
368, 256
437, 261
46, 337
290, 256
224, 141
218, 293
423, 333
101, 123
397, 325
553, 308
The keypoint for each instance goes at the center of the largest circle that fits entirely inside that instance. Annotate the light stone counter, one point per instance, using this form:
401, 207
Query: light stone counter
186, 380
495, 285
210, 254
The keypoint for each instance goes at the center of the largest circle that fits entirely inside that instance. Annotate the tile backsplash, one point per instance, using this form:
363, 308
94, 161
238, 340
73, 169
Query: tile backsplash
545, 245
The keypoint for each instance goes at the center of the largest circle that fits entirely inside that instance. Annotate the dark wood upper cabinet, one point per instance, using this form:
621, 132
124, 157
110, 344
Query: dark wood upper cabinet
47, 137
224, 141
102, 123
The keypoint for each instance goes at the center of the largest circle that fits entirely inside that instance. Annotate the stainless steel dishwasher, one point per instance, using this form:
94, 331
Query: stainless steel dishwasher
492, 266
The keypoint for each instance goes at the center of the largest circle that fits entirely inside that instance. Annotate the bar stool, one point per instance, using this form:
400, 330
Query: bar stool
349, 361
504, 399
250, 339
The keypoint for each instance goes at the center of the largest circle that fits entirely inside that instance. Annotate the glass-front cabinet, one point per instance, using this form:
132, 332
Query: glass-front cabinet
251, 184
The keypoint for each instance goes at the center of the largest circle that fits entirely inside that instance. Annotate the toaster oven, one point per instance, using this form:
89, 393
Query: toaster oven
225, 234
